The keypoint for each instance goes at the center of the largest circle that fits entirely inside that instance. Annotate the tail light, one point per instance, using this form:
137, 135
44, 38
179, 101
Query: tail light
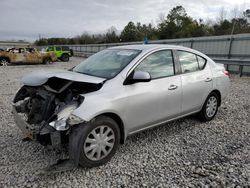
226, 73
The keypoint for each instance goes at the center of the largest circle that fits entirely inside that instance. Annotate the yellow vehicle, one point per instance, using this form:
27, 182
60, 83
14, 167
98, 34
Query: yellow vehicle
25, 56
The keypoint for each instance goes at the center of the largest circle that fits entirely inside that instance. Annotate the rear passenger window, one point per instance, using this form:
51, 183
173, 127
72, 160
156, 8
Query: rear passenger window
201, 62
188, 61
159, 64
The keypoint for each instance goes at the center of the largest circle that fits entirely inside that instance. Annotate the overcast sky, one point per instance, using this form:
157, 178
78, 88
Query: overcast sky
26, 19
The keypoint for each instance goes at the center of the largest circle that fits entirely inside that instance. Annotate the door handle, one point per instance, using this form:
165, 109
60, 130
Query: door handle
208, 80
172, 87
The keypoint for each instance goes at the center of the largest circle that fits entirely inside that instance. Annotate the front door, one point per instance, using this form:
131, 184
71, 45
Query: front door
32, 57
155, 101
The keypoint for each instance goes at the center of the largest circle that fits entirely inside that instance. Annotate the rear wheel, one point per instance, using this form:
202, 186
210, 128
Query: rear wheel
94, 143
47, 61
210, 107
65, 57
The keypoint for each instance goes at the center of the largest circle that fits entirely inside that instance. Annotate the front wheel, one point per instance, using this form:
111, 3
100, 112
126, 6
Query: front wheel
94, 143
4, 62
210, 107
65, 58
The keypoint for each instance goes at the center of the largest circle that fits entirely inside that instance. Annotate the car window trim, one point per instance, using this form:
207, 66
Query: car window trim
196, 60
131, 70
177, 62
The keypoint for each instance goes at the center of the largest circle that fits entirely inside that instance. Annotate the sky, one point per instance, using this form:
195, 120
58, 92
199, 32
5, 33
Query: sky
27, 19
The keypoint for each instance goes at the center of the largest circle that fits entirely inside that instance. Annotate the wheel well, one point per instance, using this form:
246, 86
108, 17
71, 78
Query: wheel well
219, 95
46, 59
119, 122
8, 59
65, 54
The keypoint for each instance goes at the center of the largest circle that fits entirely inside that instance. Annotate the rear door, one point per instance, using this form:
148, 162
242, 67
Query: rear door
158, 100
19, 56
196, 80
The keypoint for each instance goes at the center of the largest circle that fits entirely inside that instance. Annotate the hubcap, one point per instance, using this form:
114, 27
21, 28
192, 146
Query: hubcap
211, 106
3, 62
99, 143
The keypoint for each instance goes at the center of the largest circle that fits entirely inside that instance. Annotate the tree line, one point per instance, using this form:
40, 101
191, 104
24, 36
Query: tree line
177, 24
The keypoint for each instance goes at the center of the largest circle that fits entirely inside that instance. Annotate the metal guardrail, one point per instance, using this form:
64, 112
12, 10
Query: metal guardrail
223, 47
230, 50
237, 62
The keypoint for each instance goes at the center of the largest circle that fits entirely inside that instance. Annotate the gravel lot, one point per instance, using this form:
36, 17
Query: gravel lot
180, 154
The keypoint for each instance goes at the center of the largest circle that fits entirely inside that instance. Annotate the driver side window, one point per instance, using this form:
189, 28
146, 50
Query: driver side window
159, 64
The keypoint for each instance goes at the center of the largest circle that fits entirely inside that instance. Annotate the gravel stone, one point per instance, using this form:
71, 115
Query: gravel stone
183, 153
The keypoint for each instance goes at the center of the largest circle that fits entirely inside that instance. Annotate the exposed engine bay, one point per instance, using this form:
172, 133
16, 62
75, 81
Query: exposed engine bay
46, 109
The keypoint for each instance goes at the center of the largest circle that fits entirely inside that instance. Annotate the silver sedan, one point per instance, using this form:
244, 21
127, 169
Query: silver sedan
117, 92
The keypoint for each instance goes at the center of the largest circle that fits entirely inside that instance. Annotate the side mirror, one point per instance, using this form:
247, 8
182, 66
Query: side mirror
138, 76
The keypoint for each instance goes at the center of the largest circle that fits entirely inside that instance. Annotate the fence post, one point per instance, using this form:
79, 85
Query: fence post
192, 42
241, 69
230, 47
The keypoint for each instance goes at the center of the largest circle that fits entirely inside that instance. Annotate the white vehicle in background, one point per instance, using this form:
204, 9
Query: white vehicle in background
115, 93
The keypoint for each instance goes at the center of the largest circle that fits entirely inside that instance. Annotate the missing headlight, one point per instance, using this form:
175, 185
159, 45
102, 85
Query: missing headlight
61, 123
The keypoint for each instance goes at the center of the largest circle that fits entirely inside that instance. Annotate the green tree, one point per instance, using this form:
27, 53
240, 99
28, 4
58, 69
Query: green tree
223, 28
111, 36
130, 33
177, 24
146, 31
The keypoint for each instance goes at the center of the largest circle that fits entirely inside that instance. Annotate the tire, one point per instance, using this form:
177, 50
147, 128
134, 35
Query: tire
88, 149
65, 58
210, 107
47, 61
4, 62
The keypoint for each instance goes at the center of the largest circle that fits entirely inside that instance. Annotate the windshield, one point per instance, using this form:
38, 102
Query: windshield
107, 63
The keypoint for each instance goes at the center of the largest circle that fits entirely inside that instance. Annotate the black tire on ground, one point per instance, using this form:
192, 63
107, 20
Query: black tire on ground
47, 61
79, 134
204, 114
65, 58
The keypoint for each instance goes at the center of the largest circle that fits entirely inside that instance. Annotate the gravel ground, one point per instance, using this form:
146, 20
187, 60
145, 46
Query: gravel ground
184, 153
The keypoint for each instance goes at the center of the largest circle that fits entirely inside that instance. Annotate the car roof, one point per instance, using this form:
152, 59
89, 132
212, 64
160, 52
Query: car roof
149, 47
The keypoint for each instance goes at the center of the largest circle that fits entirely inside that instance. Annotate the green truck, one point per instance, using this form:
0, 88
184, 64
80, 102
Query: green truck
62, 52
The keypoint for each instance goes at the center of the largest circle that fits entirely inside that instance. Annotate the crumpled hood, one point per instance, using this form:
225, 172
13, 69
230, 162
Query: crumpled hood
38, 78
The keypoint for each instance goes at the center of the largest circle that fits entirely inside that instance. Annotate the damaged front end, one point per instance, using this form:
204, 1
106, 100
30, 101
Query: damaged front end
43, 112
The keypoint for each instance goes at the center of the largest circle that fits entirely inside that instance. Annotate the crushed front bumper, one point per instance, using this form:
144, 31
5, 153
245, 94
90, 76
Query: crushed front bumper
28, 130
46, 135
